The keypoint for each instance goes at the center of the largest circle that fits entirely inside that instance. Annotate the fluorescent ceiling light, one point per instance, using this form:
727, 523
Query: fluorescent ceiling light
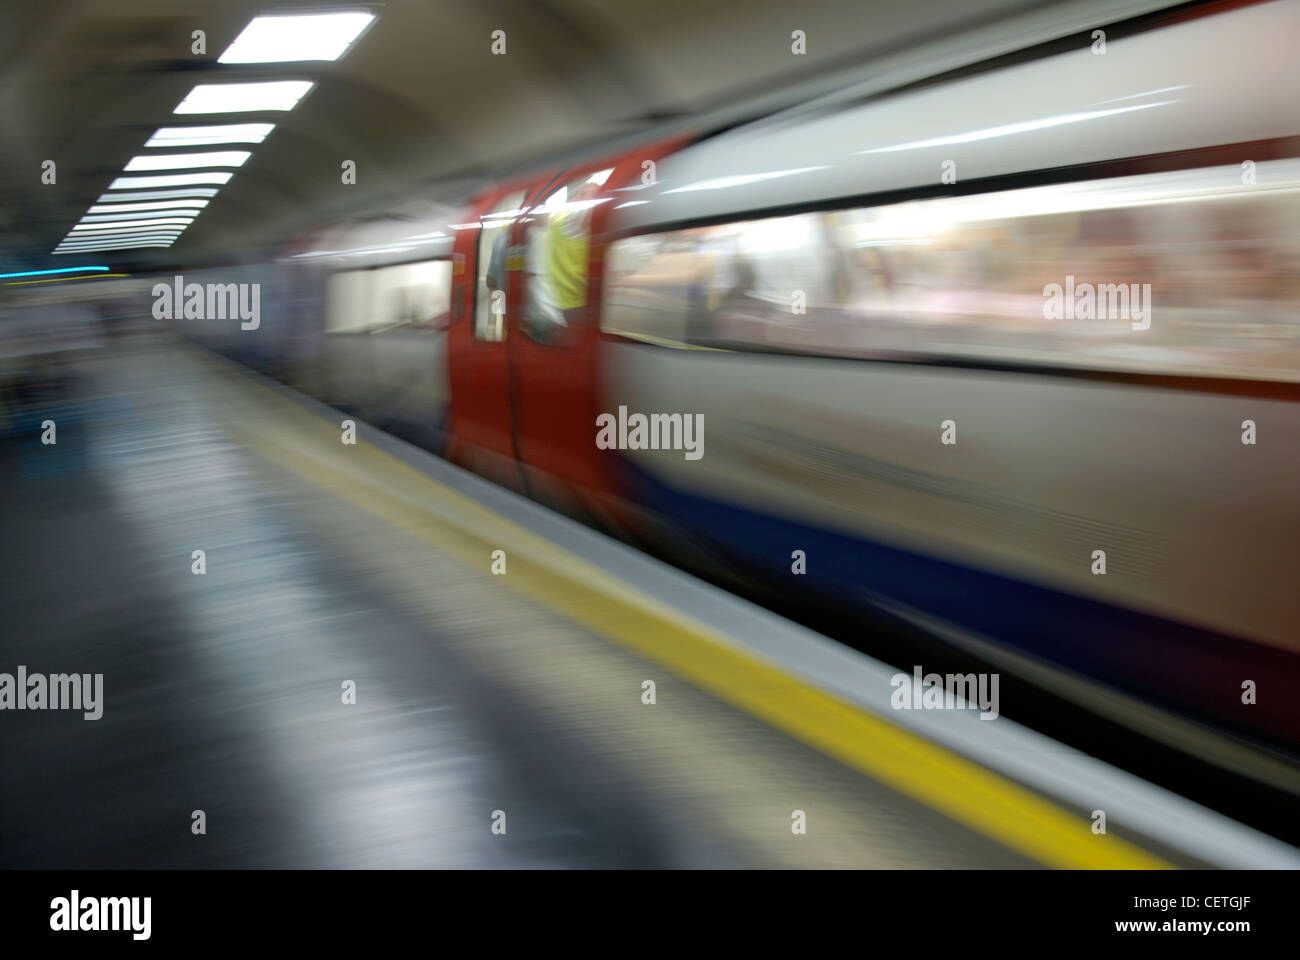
130, 232
113, 241
158, 194
109, 241
114, 250
130, 238
316, 36
139, 215
133, 207
104, 229
89, 248
244, 97
124, 234
124, 224
186, 161
209, 136
170, 180
111, 247
103, 247
135, 246
92, 239
135, 233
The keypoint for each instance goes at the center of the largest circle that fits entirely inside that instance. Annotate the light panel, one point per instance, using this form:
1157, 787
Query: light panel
278, 39
126, 224
126, 234
158, 194
187, 161
140, 207
100, 229
134, 246
211, 135
244, 97
170, 180
129, 238
140, 215
101, 241
88, 249
165, 230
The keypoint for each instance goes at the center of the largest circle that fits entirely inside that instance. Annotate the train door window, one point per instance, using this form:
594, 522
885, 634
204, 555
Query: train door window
556, 258
490, 299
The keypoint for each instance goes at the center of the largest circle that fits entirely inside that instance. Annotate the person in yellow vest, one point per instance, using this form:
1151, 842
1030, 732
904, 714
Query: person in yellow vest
569, 233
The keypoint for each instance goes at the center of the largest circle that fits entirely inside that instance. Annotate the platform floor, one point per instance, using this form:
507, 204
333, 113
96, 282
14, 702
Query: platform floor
223, 692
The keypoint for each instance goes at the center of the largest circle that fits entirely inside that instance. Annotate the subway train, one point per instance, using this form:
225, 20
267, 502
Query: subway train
1009, 354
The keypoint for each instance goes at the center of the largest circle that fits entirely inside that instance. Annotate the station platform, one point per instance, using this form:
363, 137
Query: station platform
499, 718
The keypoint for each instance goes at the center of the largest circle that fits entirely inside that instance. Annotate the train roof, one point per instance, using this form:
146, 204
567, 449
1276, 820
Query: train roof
1211, 80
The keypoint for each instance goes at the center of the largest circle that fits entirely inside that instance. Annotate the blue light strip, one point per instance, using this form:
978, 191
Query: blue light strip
41, 273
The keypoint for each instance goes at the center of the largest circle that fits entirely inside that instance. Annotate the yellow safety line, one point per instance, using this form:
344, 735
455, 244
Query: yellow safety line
582, 592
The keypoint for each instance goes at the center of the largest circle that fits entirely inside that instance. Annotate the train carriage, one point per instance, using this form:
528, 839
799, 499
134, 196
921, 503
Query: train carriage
1011, 354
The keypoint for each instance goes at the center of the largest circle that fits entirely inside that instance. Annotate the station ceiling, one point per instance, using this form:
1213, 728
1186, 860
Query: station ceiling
420, 102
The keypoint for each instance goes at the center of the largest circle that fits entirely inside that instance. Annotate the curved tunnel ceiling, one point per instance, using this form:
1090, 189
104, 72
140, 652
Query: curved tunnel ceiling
420, 103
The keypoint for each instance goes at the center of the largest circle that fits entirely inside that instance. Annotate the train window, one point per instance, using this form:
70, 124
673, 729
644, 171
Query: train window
490, 299
412, 295
1181, 272
556, 258
348, 305
403, 296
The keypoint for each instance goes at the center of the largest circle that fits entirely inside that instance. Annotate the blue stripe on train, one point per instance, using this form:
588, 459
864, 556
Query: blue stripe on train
1182, 666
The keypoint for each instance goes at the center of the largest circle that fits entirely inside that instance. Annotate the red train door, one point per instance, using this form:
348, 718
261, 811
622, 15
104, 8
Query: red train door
554, 337
523, 347
481, 428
